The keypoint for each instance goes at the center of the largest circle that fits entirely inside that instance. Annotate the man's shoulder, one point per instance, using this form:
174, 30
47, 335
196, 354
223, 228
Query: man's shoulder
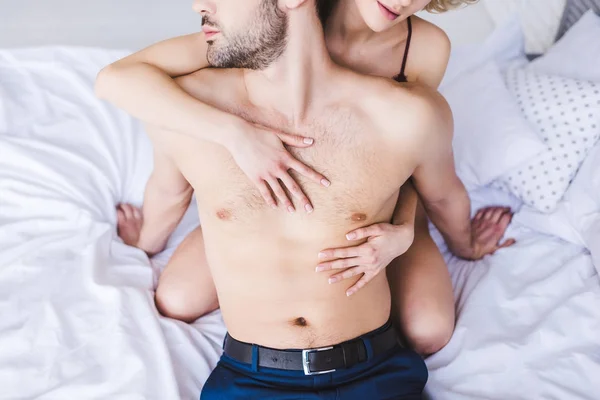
405, 108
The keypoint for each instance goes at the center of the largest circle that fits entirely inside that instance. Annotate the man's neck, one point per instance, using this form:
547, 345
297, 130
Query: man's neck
293, 85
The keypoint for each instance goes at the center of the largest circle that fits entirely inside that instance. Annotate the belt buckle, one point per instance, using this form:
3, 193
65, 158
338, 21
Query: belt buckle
306, 361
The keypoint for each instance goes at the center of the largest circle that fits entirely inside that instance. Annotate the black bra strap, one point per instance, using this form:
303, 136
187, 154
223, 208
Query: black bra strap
407, 47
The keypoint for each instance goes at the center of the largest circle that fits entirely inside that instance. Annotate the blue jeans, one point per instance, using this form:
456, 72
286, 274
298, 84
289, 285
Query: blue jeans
398, 374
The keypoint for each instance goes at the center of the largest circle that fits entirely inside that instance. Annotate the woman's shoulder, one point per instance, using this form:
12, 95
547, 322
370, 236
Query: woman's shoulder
429, 53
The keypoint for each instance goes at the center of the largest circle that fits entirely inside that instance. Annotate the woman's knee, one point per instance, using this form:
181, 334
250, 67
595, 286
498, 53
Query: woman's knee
173, 302
429, 333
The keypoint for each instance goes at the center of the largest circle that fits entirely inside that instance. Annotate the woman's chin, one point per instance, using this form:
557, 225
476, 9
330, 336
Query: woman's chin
380, 25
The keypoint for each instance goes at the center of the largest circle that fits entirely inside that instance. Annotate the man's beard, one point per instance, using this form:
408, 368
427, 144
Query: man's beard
258, 46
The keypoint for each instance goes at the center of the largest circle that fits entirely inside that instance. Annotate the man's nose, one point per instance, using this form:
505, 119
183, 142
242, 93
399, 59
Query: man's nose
204, 6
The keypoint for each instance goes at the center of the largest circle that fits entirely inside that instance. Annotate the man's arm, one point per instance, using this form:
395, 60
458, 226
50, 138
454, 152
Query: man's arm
444, 196
167, 197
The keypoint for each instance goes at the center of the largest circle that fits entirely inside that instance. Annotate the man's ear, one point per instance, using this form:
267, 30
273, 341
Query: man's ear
292, 4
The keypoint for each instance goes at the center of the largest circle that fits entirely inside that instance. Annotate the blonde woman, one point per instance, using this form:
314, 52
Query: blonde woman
381, 38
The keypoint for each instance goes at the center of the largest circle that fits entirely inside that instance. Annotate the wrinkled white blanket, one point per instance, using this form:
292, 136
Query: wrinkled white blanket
78, 319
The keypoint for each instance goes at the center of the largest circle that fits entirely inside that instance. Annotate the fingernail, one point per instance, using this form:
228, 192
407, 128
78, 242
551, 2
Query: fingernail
291, 209
308, 141
319, 269
351, 236
309, 208
322, 255
332, 280
325, 182
349, 293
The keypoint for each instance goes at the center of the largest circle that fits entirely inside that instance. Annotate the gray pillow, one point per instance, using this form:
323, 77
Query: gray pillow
574, 10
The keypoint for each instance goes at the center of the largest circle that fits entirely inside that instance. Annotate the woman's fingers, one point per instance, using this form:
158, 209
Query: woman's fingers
266, 193
280, 194
338, 264
362, 233
349, 273
307, 172
295, 140
296, 191
496, 214
344, 252
507, 243
366, 278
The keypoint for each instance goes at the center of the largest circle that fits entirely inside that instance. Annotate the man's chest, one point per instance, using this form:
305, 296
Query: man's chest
363, 174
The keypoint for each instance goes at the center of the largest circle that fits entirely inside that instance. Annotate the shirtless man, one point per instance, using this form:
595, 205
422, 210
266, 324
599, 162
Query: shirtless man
371, 134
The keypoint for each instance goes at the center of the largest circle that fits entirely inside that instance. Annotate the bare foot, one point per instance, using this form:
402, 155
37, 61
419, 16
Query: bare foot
129, 223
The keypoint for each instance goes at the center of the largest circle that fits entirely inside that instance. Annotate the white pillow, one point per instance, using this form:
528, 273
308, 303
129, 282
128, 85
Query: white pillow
577, 54
567, 115
539, 20
578, 210
502, 46
490, 134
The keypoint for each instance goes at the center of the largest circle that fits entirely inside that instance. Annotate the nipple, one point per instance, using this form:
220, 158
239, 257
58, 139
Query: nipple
224, 214
359, 217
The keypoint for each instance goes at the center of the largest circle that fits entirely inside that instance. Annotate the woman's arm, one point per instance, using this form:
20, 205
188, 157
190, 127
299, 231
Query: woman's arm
430, 62
429, 54
143, 85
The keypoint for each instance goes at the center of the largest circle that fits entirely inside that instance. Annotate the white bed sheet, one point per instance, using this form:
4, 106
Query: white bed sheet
78, 320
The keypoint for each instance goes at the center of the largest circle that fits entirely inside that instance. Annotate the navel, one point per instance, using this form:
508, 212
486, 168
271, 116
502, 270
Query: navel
359, 217
223, 214
300, 322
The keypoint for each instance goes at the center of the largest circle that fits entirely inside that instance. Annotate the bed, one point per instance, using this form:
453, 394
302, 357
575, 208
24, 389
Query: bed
78, 318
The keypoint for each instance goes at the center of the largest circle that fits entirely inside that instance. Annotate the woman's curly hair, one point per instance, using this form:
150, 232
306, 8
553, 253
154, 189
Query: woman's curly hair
440, 6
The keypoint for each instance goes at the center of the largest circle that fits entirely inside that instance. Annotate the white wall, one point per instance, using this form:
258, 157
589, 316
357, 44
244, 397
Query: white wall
106, 23
133, 24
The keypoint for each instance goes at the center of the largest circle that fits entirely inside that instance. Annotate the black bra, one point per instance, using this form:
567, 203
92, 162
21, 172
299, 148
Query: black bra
401, 77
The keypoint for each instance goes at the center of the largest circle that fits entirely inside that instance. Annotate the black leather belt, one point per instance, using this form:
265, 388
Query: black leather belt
315, 361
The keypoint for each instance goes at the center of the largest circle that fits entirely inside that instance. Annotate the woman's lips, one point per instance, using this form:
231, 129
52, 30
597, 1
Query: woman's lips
389, 14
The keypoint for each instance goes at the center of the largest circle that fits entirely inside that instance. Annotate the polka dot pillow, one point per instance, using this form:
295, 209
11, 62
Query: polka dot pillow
566, 113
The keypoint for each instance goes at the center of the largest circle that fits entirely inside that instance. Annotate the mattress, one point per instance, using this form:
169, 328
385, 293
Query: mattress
78, 318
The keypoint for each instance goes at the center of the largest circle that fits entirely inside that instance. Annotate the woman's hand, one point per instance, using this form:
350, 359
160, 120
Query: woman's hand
384, 243
261, 155
488, 227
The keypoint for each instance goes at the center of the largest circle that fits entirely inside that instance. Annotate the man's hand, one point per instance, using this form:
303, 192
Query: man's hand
129, 224
261, 155
488, 228
385, 242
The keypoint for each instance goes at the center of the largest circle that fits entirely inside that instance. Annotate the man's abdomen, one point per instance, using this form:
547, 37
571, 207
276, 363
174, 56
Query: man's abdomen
270, 294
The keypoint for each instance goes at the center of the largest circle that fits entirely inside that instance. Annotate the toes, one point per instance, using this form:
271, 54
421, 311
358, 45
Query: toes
121, 219
129, 216
126, 210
